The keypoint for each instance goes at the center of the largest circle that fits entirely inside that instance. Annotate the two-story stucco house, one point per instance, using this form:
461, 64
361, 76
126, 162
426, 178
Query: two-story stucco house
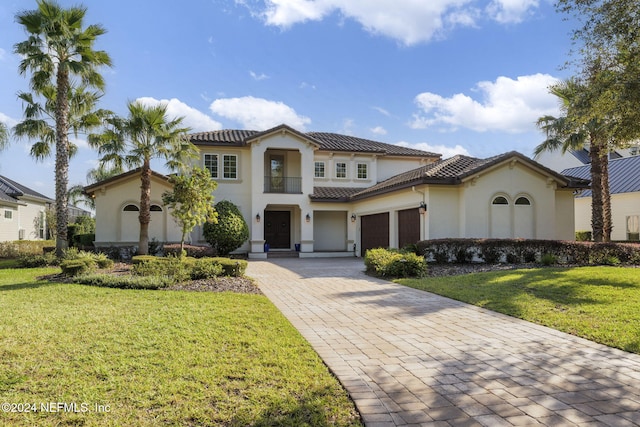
326, 194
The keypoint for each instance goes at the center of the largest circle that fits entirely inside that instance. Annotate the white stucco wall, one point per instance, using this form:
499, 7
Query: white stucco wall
22, 218
8, 226
622, 206
113, 226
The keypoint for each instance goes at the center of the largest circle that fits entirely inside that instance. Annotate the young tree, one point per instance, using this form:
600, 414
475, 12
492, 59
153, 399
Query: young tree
57, 50
231, 230
144, 135
191, 200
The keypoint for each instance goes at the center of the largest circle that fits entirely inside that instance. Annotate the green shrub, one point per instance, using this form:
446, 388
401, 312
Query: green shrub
103, 260
84, 240
19, 248
390, 263
548, 259
124, 282
583, 236
205, 268
171, 267
231, 230
139, 259
34, 261
231, 267
192, 250
490, 254
77, 266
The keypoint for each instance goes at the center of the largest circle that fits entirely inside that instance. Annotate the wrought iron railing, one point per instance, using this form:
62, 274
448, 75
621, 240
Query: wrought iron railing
280, 184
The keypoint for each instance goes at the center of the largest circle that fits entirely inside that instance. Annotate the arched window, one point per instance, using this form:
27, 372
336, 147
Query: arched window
500, 201
523, 201
131, 208
155, 208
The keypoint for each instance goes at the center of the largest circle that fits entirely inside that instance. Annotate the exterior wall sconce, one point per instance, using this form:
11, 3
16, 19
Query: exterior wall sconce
257, 217
422, 208
353, 217
308, 218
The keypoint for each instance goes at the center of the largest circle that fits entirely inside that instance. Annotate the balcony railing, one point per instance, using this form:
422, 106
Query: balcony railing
286, 184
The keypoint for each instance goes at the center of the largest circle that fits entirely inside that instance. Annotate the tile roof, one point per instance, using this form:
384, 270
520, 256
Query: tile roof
335, 194
326, 141
11, 191
624, 175
95, 186
455, 169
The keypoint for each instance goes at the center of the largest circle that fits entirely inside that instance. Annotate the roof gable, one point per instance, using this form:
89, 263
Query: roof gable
121, 178
12, 191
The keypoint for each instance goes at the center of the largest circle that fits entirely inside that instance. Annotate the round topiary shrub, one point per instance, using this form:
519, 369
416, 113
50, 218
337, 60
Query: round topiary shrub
231, 230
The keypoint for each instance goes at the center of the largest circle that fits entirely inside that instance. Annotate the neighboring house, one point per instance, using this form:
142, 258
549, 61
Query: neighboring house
22, 212
624, 185
328, 194
75, 212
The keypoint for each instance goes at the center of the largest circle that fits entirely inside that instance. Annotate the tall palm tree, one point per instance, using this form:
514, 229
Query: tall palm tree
4, 136
570, 132
133, 142
59, 50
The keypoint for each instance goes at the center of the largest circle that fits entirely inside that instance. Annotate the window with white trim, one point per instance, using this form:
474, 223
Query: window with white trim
318, 169
341, 170
362, 171
633, 228
211, 163
500, 200
230, 166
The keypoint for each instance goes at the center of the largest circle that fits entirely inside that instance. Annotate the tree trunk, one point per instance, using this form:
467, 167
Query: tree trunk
597, 225
607, 223
62, 160
145, 208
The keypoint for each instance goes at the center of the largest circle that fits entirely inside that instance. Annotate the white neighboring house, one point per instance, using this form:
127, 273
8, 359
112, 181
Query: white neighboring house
326, 194
19, 208
624, 185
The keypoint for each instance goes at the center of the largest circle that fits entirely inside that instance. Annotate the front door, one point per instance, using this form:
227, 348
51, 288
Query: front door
277, 229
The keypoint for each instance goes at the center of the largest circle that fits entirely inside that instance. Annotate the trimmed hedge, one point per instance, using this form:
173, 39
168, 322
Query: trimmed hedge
77, 266
18, 248
515, 251
124, 282
393, 263
192, 250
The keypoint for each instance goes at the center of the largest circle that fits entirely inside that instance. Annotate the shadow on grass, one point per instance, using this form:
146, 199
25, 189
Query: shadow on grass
25, 285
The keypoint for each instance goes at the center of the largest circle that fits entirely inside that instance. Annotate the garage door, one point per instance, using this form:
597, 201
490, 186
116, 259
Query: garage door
374, 231
408, 227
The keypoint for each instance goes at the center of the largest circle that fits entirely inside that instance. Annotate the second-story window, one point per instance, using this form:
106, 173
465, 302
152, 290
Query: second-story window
230, 166
211, 163
362, 171
319, 169
341, 170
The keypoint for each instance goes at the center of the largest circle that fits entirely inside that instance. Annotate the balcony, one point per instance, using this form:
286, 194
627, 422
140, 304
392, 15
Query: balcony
283, 184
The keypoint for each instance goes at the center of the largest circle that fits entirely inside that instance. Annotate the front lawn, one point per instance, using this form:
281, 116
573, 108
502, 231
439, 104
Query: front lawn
601, 304
99, 356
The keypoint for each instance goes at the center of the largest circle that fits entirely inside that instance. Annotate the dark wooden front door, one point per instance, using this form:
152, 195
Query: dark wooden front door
375, 231
277, 229
408, 227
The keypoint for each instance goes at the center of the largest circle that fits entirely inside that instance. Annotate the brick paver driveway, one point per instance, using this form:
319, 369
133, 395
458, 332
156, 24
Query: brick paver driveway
409, 357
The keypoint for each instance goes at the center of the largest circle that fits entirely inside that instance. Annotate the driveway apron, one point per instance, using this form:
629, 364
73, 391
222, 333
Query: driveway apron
409, 357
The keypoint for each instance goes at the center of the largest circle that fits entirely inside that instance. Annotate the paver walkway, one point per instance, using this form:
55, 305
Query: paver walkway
409, 357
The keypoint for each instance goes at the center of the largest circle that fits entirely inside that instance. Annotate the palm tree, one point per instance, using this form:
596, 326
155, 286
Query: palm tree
570, 132
133, 142
57, 50
4, 136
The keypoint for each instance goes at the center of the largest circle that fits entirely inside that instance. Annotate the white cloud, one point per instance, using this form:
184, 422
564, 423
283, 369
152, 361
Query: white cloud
506, 105
439, 149
196, 120
382, 111
258, 113
415, 22
258, 77
510, 11
379, 130
2, 53
10, 122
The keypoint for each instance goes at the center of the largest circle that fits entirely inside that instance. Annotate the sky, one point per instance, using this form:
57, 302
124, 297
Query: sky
448, 76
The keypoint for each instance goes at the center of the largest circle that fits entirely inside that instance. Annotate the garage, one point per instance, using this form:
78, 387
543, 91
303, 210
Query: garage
408, 227
374, 231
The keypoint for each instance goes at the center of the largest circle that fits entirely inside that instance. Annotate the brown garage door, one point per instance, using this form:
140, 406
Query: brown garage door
408, 227
374, 232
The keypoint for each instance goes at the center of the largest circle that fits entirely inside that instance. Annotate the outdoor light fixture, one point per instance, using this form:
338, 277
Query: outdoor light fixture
257, 217
353, 217
422, 208
308, 218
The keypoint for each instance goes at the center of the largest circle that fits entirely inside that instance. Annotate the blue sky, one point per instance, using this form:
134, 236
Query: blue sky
450, 76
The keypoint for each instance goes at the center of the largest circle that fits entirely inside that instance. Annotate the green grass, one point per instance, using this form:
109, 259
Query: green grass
601, 304
157, 358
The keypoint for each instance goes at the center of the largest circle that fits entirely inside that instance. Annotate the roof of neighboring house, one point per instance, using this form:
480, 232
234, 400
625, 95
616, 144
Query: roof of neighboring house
326, 141
12, 191
624, 175
450, 171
